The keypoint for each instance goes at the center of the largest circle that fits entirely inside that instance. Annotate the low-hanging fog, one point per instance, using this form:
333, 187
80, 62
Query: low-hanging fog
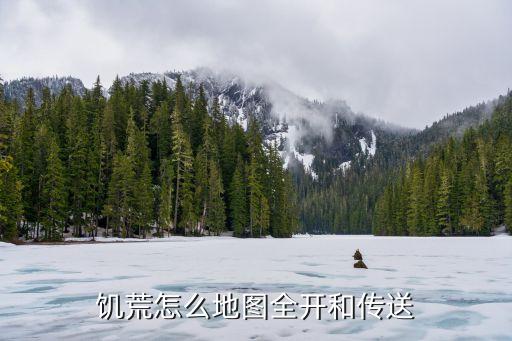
407, 62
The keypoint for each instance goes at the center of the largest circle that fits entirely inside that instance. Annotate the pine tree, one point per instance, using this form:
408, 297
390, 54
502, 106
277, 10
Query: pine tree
216, 216
108, 143
258, 203
199, 115
289, 198
119, 207
502, 171
117, 106
24, 157
53, 194
277, 194
430, 191
219, 124
202, 187
138, 155
228, 155
238, 200
161, 128
165, 204
443, 215
78, 168
95, 174
10, 200
508, 205
183, 165
415, 216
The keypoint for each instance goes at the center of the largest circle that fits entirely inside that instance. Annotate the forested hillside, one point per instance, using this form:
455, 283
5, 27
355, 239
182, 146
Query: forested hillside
338, 162
463, 187
146, 160
344, 201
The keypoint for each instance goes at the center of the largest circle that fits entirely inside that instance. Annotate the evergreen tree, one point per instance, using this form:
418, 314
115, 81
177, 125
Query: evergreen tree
216, 216
10, 200
183, 164
161, 128
199, 115
165, 204
415, 216
238, 200
53, 194
24, 157
78, 168
258, 203
444, 216
219, 124
138, 155
119, 207
508, 205
119, 110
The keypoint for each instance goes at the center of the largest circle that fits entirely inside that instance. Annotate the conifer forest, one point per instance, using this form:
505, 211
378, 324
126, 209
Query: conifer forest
146, 161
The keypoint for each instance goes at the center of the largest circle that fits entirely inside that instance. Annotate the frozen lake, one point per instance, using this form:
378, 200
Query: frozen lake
461, 287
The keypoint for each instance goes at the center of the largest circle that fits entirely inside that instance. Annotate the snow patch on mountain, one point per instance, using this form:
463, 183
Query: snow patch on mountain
300, 128
345, 166
305, 159
372, 148
17, 89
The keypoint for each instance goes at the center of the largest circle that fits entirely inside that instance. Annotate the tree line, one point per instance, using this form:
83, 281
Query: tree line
463, 187
144, 160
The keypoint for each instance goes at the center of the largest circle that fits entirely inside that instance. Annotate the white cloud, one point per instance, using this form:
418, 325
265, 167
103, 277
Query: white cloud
409, 62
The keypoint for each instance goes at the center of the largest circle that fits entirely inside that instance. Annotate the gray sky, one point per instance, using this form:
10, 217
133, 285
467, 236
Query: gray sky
408, 62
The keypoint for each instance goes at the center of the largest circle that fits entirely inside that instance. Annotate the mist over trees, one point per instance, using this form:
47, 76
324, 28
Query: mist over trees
145, 160
463, 187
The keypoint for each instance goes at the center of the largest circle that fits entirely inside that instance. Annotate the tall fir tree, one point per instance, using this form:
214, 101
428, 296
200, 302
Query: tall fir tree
53, 194
216, 214
508, 205
11, 205
238, 201
138, 155
183, 164
119, 206
165, 203
443, 215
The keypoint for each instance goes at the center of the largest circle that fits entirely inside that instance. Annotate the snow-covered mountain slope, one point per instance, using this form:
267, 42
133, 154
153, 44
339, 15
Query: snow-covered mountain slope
237, 99
17, 89
320, 136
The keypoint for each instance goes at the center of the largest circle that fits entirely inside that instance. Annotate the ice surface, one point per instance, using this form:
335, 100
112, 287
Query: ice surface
462, 287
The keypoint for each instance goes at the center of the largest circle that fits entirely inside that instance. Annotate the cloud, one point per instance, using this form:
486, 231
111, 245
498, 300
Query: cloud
408, 62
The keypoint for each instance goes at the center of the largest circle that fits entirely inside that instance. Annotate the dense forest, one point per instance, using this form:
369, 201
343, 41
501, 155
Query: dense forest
144, 160
344, 200
463, 186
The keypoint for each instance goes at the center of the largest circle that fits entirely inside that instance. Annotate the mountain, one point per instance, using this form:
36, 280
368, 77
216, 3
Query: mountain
323, 137
463, 187
17, 89
341, 160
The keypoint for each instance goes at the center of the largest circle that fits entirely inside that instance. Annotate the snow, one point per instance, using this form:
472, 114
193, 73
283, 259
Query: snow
292, 136
241, 119
305, 159
372, 148
50, 292
345, 166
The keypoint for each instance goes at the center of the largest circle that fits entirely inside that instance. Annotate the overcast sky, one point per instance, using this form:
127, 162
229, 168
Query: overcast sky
407, 62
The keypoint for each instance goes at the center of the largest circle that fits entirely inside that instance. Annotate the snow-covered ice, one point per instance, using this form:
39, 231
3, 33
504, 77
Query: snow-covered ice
461, 287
